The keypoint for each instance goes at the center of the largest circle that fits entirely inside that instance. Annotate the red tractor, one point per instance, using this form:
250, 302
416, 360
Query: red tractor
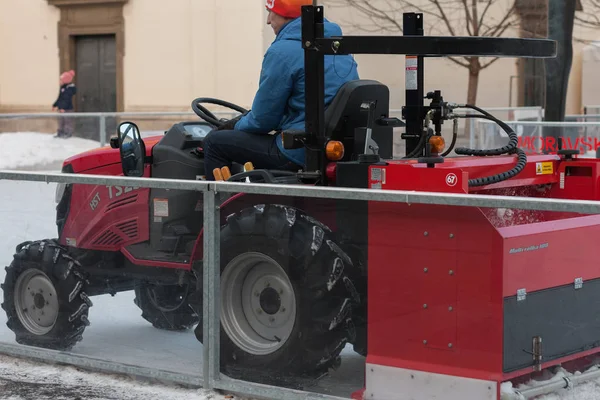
434, 296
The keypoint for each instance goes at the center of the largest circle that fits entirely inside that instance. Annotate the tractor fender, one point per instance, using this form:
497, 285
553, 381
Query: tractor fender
322, 210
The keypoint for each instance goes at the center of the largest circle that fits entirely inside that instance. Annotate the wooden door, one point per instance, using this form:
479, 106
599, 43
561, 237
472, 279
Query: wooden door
96, 79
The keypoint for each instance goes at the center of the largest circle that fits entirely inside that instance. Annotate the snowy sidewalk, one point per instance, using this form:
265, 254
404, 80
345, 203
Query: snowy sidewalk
24, 380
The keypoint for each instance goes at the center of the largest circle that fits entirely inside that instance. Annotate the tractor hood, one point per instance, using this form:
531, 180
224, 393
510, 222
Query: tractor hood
103, 156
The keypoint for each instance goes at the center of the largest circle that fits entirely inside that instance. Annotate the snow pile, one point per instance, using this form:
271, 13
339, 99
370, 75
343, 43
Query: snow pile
21, 379
25, 149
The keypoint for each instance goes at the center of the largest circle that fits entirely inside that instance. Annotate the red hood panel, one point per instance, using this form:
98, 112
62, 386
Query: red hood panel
106, 155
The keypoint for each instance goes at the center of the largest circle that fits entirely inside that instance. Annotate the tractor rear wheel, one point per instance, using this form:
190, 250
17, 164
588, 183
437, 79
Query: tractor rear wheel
44, 296
286, 299
165, 306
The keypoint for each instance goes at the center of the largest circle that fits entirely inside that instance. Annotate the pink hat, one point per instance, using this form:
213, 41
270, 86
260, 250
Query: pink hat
67, 77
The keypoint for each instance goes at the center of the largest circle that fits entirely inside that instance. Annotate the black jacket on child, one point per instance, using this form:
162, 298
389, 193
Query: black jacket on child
65, 97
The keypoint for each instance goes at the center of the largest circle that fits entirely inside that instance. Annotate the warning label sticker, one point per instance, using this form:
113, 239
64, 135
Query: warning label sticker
544, 168
161, 207
411, 73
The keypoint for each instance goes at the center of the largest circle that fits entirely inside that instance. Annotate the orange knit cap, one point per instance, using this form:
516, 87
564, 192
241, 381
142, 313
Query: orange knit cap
287, 8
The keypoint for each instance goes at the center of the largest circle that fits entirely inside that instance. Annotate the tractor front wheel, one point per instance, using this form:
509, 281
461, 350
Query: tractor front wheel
44, 296
165, 306
286, 298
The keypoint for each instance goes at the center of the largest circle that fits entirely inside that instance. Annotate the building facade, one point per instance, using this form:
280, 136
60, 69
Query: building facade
153, 55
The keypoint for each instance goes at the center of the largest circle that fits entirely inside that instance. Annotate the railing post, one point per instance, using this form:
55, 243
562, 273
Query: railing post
211, 289
471, 132
102, 130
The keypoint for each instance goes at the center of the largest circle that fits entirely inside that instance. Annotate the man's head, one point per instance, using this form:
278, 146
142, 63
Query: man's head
283, 11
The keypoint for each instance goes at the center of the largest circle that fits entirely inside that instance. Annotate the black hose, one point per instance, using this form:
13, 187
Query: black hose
511, 148
419, 148
521, 163
454, 138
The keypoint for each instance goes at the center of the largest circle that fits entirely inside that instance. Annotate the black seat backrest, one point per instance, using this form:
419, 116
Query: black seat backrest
346, 122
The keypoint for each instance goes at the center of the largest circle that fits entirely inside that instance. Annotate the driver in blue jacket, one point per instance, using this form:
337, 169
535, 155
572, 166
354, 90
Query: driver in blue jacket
279, 104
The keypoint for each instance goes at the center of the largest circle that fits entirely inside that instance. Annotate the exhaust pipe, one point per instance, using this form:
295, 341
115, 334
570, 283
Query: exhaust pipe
564, 383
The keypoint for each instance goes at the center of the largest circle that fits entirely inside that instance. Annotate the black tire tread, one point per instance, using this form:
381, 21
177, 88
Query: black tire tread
70, 284
325, 311
181, 319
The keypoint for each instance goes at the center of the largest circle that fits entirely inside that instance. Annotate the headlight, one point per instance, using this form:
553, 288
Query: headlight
60, 191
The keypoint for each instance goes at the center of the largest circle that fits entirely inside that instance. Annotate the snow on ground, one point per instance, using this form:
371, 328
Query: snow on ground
117, 331
24, 380
24, 149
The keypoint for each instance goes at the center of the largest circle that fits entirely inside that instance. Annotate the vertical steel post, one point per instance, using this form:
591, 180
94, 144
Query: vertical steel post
102, 130
561, 16
413, 109
211, 289
314, 61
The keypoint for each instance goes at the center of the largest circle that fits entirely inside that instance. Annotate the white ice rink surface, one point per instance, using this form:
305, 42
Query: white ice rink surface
117, 331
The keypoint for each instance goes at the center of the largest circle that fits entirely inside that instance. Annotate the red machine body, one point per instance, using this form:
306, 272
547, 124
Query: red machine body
457, 296
461, 296
113, 218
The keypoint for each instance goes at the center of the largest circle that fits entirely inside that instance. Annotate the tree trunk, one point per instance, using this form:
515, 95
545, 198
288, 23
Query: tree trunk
474, 68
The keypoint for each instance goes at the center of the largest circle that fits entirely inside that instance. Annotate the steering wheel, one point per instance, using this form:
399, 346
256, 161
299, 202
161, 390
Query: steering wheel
209, 117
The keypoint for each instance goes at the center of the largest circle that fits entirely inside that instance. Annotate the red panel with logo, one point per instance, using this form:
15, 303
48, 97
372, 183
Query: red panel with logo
453, 175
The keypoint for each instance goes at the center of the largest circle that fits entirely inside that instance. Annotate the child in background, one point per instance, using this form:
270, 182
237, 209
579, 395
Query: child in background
64, 104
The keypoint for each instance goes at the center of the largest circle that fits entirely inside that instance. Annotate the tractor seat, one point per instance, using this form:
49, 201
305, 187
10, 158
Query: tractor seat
346, 122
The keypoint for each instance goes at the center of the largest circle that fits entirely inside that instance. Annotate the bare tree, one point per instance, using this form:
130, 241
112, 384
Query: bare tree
587, 17
442, 17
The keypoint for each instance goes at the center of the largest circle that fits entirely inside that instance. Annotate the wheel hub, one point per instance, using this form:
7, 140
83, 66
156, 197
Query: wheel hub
270, 302
39, 301
36, 301
258, 303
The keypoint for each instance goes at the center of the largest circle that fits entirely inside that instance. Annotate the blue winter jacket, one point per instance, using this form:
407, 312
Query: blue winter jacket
279, 102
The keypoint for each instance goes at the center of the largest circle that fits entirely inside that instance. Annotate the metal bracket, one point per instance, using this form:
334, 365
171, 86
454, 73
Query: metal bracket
578, 283
521, 294
537, 353
371, 146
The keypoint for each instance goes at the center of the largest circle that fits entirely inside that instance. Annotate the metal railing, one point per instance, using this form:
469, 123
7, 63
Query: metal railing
575, 133
212, 376
510, 114
505, 113
102, 117
591, 109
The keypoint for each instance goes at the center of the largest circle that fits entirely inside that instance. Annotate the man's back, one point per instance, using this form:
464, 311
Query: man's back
280, 101
279, 104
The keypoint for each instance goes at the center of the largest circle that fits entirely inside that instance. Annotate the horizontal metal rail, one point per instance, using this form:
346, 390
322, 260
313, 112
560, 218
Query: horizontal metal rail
267, 391
397, 196
94, 364
542, 123
190, 113
106, 114
57, 177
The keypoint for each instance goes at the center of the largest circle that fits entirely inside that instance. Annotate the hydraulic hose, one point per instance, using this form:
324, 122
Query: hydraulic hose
521, 162
421, 145
454, 138
510, 148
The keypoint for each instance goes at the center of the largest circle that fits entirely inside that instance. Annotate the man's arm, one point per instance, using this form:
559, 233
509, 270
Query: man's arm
275, 88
